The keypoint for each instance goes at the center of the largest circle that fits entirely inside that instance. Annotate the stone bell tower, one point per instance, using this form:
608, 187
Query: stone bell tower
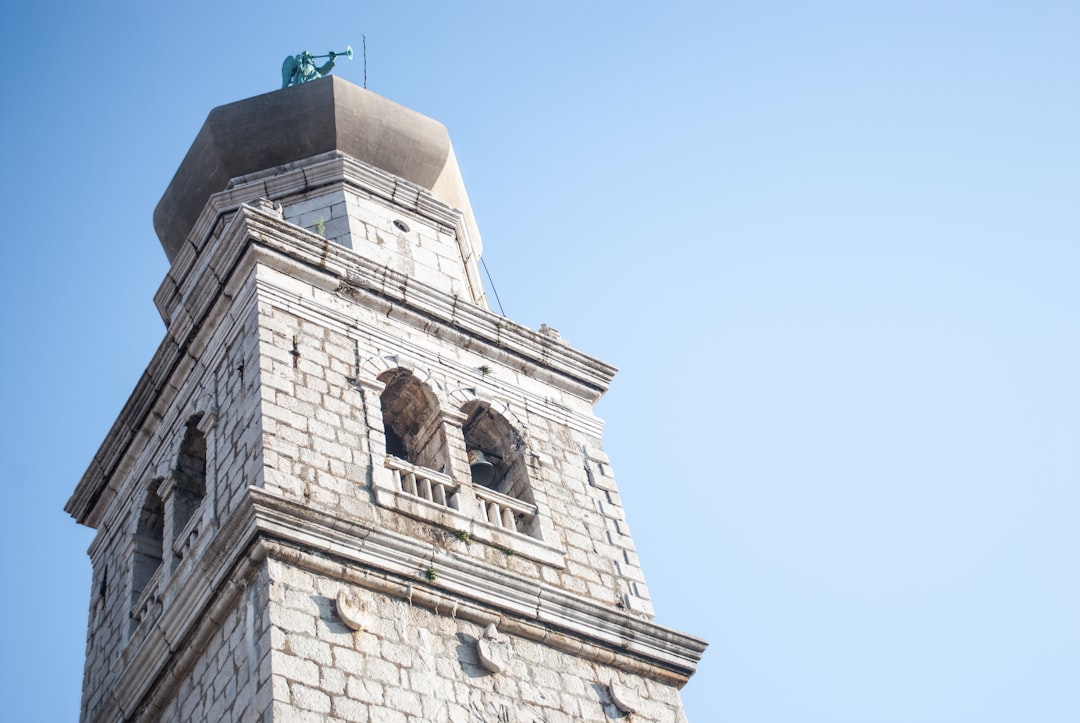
344, 489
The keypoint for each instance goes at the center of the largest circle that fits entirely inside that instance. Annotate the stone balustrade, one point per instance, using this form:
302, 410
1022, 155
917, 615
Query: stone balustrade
148, 603
186, 540
504, 511
424, 483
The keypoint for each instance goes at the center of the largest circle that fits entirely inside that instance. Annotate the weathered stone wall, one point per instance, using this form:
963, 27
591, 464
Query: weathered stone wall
126, 632
414, 664
325, 443
230, 679
280, 344
419, 246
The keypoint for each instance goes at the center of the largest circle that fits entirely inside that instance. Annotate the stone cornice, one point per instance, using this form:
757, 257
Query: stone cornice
202, 592
304, 177
334, 268
339, 319
369, 556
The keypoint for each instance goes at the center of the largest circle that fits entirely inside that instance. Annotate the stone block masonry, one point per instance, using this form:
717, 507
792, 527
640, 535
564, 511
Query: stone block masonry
345, 490
290, 397
329, 464
415, 664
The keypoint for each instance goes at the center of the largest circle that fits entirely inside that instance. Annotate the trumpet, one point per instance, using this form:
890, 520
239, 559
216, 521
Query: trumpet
348, 54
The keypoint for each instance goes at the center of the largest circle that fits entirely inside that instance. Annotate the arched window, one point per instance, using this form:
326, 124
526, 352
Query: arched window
411, 420
190, 477
149, 537
488, 433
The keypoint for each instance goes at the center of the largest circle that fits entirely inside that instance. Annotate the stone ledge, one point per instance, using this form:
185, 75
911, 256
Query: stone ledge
358, 553
334, 267
344, 321
483, 532
365, 555
313, 175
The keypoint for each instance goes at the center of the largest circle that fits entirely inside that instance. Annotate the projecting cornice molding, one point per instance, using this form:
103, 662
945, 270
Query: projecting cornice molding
267, 525
365, 555
308, 176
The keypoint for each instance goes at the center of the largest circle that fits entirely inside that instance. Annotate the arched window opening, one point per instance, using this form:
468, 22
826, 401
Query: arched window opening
149, 537
487, 432
411, 420
190, 476
497, 460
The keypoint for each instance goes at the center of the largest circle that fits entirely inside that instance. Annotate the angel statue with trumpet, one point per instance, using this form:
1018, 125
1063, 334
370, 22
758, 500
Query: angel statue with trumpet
301, 68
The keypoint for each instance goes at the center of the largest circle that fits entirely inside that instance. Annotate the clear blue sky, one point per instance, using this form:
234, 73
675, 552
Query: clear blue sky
832, 246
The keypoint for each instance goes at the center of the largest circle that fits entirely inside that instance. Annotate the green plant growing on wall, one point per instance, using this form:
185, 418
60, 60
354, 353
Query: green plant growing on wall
431, 574
463, 536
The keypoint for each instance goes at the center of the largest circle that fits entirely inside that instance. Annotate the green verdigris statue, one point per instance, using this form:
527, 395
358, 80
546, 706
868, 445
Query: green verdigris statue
301, 68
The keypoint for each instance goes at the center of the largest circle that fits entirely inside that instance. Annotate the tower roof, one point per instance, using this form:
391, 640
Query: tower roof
291, 124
